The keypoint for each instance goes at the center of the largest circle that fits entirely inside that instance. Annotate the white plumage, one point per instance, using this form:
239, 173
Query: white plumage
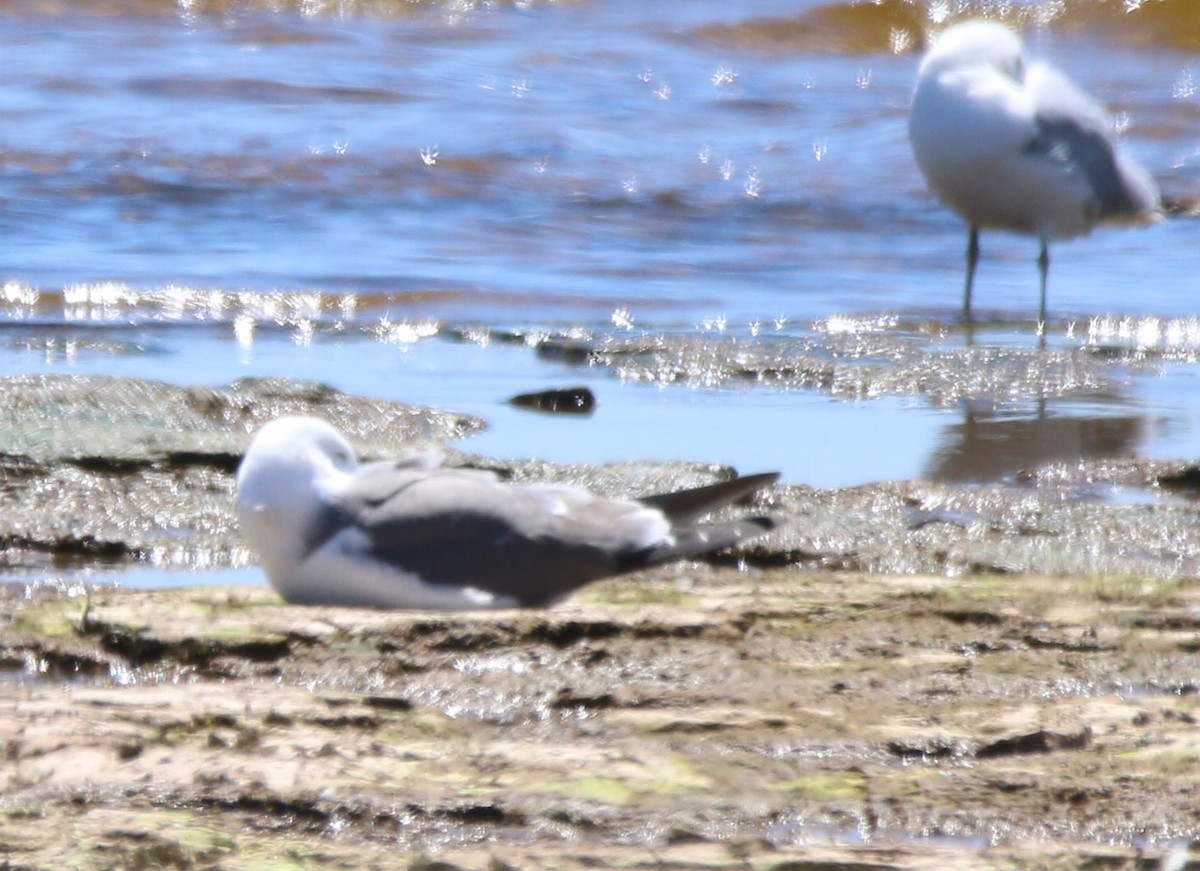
1013, 146
411, 534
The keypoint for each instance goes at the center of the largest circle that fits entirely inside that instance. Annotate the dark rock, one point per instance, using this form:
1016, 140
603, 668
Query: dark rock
1041, 741
563, 400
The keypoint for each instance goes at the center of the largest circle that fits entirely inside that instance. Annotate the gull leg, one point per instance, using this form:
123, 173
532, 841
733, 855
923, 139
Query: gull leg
1043, 268
972, 259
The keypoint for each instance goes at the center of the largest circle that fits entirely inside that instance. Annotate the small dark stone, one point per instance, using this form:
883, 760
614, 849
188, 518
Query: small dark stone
274, 718
222, 461
921, 751
131, 750
970, 616
1041, 741
565, 351
388, 703
566, 699
133, 647
1186, 479
563, 400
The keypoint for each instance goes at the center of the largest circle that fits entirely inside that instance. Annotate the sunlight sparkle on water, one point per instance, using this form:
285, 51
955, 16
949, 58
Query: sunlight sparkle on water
900, 40
243, 330
622, 318
17, 293
1184, 87
854, 326
753, 186
404, 332
118, 302
1146, 333
93, 301
724, 76
303, 336
20, 300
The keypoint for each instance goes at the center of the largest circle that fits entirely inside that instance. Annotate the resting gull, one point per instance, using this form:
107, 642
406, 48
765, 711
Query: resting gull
1018, 147
413, 534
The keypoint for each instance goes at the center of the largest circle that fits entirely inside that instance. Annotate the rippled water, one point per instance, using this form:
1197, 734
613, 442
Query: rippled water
198, 191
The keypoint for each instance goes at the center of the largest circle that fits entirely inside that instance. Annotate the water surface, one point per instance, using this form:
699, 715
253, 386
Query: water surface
201, 191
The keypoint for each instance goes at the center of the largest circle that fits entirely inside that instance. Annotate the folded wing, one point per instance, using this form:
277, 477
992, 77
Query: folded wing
530, 543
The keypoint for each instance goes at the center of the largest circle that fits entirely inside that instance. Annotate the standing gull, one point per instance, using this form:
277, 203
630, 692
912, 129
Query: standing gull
410, 534
1018, 147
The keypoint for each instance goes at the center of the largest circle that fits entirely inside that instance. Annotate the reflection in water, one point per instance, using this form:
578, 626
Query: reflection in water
994, 446
398, 196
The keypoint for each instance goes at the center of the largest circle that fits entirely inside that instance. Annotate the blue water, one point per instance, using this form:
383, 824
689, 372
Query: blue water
188, 183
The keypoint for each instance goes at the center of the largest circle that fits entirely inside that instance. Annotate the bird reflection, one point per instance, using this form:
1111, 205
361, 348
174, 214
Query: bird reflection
995, 446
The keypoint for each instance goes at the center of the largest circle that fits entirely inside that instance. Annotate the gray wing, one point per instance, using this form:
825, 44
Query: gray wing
1115, 192
534, 544
1074, 129
465, 528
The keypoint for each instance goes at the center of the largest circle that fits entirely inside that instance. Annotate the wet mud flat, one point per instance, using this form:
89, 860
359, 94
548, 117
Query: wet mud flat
701, 717
904, 675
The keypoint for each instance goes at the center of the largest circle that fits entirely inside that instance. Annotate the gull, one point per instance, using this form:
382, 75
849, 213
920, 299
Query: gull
413, 534
1017, 147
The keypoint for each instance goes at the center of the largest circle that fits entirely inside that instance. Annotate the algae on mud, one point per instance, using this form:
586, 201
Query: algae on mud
116, 470
905, 675
781, 719
126, 472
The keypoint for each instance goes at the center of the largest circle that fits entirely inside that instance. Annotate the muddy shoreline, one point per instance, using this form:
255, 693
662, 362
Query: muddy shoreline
701, 717
905, 675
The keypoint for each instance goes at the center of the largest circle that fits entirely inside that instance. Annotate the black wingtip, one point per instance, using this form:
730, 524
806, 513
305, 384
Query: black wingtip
684, 506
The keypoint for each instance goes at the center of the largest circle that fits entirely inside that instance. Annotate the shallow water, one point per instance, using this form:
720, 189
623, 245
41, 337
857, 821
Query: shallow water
201, 191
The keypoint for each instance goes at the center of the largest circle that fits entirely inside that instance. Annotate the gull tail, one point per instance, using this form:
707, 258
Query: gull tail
694, 541
686, 506
691, 539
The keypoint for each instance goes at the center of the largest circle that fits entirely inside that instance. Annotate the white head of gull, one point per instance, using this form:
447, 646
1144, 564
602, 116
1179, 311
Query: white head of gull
1018, 147
412, 534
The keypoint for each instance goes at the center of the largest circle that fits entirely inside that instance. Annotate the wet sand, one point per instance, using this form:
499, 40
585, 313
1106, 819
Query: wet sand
903, 675
698, 717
